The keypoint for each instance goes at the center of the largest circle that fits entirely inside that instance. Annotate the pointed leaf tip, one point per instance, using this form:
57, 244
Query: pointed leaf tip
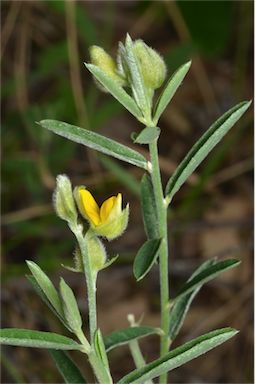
170, 90
179, 356
203, 147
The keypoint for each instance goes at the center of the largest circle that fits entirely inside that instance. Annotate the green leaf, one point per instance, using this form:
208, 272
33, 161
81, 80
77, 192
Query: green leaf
136, 77
179, 356
95, 141
146, 257
207, 275
67, 368
37, 339
71, 310
181, 306
148, 135
46, 286
170, 89
100, 349
115, 89
203, 146
149, 209
125, 335
44, 298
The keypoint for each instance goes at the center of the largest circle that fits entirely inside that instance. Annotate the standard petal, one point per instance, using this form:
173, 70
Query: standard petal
90, 206
116, 209
106, 208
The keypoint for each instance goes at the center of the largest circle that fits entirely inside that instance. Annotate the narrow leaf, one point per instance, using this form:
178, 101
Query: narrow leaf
100, 349
115, 89
67, 368
145, 258
207, 275
170, 89
179, 356
149, 209
37, 339
46, 286
125, 335
71, 310
181, 306
95, 141
44, 298
204, 146
137, 82
148, 135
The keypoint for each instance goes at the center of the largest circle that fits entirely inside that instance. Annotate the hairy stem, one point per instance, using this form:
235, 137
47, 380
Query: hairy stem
163, 254
100, 371
102, 374
83, 340
90, 282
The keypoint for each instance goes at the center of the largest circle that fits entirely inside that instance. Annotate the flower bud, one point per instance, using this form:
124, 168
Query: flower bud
63, 199
105, 62
109, 220
152, 66
96, 252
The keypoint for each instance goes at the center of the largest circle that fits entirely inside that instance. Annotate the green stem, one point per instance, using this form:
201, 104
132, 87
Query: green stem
163, 254
90, 282
83, 340
103, 376
138, 356
101, 373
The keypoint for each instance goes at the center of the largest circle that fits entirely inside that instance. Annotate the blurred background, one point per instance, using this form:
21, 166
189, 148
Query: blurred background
44, 45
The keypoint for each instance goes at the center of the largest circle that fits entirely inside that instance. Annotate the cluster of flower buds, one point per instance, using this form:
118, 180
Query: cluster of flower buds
137, 66
108, 221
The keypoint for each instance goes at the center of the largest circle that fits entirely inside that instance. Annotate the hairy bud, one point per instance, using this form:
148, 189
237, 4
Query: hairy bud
152, 66
63, 199
105, 62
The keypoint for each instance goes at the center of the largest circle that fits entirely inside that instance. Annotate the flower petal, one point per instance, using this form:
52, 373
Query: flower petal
116, 209
90, 206
106, 208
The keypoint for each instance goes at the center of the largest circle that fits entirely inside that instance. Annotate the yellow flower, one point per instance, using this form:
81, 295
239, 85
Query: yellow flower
109, 220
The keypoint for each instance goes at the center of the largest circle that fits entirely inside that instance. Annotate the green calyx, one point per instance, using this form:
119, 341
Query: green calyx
96, 252
63, 199
152, 66
106, 63
115, 225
